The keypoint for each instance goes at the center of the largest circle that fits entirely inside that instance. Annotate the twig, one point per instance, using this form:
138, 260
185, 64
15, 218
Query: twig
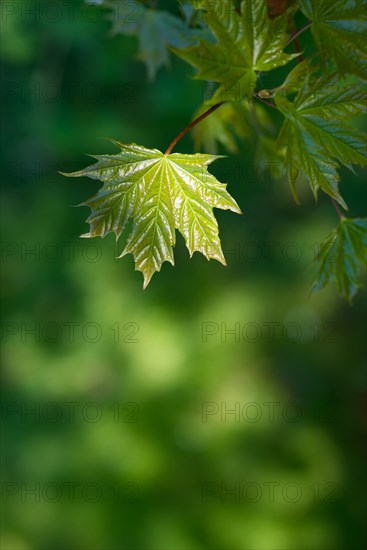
296, 34
191, 125
265, 101
207, 113
296, 45
337, 208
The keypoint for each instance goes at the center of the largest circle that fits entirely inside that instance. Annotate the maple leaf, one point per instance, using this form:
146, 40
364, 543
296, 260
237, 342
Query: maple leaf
158, 193
342, 257
339, 29
247, 43
297, 77
317, 136
156, 30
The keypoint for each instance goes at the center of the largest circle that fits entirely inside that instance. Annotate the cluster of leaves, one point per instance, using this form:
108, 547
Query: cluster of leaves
232, 45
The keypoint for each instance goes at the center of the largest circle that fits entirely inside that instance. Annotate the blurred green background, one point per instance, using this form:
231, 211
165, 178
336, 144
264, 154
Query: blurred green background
116, 423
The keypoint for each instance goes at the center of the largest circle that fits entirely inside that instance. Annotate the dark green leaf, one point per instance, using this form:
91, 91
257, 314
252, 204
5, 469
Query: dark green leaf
156, 30
317, 136
342, 257
339, 29
247, 43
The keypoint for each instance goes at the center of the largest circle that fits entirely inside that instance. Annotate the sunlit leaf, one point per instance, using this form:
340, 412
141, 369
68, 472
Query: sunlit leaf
158, 193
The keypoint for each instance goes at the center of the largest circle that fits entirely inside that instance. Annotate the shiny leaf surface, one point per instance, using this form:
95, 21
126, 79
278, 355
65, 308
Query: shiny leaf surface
318, 137
339, 28
159, 194
247, 43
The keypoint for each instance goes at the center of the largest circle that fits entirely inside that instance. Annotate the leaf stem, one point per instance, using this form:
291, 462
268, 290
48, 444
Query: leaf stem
296, 45
296, 34
337, 208
265, 101
191, 125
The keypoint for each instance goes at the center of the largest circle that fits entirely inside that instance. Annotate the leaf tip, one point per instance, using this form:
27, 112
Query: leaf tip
147, 279
67, 174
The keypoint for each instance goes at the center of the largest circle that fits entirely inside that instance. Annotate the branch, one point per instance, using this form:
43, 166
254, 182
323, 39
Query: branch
265, 101
204, 115
296, 46
337, 208
296, 34
191, 125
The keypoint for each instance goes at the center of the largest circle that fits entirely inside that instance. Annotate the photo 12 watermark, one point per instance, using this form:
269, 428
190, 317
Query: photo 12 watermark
269, 332
70, 332
272, 412
272, 492
69, 412
70, 492
52, 92
68, 11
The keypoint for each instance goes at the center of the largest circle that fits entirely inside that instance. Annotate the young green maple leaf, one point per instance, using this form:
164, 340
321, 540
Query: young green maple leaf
342, 257
317, 136
339, 29
158, 193
247, 43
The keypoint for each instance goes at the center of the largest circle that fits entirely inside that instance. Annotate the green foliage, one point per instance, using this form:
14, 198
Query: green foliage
159, 193
339, 28
247, 43
342, 256
108, 384
226, 124
317, 135
235, 46
156, 31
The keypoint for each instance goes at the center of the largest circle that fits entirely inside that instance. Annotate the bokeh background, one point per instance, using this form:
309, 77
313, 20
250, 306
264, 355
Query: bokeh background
116, 402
